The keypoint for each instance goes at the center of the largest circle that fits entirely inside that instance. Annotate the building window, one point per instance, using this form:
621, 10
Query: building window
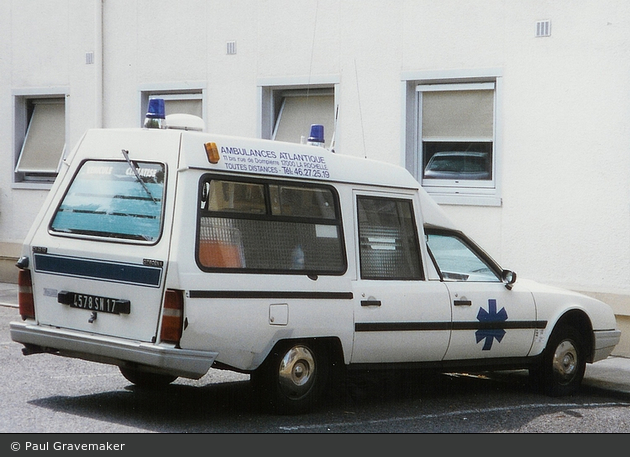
452, 130
296, 110
457, 136
289, 106
40, 138
175, 102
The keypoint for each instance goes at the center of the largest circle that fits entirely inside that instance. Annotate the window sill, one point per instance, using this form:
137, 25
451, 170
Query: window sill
27, 185
466, 199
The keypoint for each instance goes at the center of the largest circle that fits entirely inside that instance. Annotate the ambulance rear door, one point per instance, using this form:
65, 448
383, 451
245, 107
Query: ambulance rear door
99, 257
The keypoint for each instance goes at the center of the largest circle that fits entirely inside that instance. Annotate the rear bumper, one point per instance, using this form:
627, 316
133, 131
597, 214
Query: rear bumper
115, 351
605, 342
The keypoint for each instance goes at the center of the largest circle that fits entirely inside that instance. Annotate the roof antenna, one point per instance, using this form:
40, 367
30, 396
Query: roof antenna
356, 75
310, 65
334, 134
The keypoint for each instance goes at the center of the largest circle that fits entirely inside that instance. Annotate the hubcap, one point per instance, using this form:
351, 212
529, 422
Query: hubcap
565, 361
297, 372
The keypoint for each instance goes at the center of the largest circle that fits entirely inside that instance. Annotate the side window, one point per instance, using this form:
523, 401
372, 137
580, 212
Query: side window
255, 226
234, 197
388, 239
456, 260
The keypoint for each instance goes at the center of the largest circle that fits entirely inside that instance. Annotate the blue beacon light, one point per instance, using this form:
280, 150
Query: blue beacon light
317, 135
156, 114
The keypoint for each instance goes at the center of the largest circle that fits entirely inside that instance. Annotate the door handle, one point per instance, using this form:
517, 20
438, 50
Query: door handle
370, 302
462, 302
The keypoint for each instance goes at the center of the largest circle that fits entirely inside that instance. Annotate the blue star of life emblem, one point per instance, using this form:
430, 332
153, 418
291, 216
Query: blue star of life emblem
490, 316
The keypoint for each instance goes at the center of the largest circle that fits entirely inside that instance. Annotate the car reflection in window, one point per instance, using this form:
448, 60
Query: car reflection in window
458, 165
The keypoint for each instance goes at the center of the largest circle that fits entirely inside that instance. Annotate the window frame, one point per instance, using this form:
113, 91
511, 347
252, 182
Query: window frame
482, 255
272, 90
268, 216
23, 100
470, 192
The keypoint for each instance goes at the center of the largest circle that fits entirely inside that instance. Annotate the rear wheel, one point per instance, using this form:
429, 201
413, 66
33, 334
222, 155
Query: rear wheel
294, 377
146, 379
562, 367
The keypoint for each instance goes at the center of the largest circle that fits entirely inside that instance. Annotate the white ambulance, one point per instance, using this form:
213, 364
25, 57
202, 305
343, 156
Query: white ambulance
168, 252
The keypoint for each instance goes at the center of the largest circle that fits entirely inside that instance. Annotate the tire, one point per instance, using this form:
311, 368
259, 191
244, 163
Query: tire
561, 370
146, 379
293, 378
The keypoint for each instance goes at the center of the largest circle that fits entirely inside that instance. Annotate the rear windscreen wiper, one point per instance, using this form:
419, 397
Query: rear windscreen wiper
135, 172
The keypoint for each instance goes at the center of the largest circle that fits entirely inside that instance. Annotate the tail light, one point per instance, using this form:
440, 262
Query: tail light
172, 316
26, 303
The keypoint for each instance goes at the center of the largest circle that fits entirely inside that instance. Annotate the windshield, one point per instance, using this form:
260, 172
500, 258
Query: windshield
110, 199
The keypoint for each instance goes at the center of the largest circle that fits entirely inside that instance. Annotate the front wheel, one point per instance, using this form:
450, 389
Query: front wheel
293, 379
563, 364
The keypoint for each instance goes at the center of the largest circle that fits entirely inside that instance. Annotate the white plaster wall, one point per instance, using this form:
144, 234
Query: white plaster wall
6, 123
370, 105
565, 168
42, 47
565, 214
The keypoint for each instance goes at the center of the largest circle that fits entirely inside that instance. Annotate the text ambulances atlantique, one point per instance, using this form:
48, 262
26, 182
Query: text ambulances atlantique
168, 252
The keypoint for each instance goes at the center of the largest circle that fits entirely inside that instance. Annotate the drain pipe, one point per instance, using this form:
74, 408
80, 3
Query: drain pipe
98, 61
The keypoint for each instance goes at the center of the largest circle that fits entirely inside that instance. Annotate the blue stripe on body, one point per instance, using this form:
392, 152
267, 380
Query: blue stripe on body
94, 269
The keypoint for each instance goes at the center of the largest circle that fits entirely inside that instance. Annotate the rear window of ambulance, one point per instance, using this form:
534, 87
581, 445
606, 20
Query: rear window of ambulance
107, 199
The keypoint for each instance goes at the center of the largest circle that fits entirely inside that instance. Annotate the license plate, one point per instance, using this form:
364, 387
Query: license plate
94, 302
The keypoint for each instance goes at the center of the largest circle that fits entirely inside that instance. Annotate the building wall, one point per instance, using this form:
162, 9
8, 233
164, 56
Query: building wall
564, 216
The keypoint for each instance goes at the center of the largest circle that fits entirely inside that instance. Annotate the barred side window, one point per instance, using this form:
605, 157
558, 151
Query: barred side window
269, 227
388, 239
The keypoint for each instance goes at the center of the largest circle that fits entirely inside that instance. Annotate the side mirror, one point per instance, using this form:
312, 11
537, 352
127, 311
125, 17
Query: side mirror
22, 263
509, 278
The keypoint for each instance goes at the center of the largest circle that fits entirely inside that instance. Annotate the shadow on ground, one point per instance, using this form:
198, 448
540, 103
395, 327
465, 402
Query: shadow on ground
230, 407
